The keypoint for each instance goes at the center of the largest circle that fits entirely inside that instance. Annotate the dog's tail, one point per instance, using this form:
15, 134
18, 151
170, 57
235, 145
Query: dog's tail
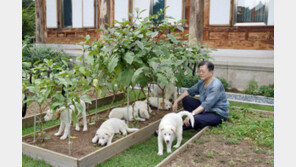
182, 113
131, 129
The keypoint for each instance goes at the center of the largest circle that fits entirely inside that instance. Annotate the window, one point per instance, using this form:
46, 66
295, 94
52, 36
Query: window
176, 7
67, 13
156, 7
251, 12
78, 13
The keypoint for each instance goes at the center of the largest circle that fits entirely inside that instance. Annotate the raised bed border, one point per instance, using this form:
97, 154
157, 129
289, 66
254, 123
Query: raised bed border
29, 121
94, 158
181, 149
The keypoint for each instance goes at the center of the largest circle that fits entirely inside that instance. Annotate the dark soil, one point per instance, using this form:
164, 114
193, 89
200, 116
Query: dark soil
213, 150
81, 143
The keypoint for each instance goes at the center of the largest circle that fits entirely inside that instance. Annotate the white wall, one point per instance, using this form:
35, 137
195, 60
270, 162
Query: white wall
77, 13
141, 4
51, 14
219, 12
88, 13
270, 20
174, 9
120, 10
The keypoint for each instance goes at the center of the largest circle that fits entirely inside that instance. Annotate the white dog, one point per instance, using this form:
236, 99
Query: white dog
107, 130
63, 115
139, 113
160, 105
171, 126
168, 91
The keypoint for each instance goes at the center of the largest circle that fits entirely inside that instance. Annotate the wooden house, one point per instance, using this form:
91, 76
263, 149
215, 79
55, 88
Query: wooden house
242, 31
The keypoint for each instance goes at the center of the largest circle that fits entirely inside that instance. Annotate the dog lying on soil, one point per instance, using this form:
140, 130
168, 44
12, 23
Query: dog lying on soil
139, 112
105, 133
158, 103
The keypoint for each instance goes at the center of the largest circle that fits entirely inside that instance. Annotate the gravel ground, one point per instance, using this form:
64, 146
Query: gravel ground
238, 97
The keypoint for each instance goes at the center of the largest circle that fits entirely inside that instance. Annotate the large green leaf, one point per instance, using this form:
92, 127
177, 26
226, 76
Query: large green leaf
112, 64
125, 77
86, 99
140, 44
129, 57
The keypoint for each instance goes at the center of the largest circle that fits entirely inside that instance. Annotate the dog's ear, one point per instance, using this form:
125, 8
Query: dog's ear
173, 130
58, 114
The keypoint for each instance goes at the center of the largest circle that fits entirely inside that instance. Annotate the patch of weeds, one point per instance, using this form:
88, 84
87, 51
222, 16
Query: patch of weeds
198, 153
241, 160
231, 163
269, 161
207, 165
243, 153
222, 160
250, 159
269, 152
257, 160
244, 124
201, 141
228, 154
199, 160
257, 150
179, 164
210, 153
221, 153
231, 141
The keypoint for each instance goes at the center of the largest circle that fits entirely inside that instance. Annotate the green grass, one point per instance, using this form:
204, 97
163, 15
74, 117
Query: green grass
144, 154
30, 162
244, 124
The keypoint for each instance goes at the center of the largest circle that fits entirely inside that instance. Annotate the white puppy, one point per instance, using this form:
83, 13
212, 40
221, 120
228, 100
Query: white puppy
107, 130
160, 105
168, 91
139, 113
63, 115
141, 108
171, 126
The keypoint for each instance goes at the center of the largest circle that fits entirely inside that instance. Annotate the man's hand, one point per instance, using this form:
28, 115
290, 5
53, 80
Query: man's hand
175, 106
186, 121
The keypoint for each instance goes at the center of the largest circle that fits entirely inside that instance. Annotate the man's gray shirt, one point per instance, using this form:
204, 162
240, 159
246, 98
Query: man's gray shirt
213, 98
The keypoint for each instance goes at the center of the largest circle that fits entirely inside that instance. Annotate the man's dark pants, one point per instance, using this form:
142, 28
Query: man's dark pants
202, 119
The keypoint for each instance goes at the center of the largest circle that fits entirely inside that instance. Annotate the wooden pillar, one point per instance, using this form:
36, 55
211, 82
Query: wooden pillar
40, 20
104, 13
196, 20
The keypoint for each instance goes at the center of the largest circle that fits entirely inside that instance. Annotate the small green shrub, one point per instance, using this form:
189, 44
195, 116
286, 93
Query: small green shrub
225, 83
28, 18
187, 80
267, 90
252, 88
34, 54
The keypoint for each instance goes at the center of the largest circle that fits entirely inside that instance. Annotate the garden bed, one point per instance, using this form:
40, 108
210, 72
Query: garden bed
84, 152
29, 118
